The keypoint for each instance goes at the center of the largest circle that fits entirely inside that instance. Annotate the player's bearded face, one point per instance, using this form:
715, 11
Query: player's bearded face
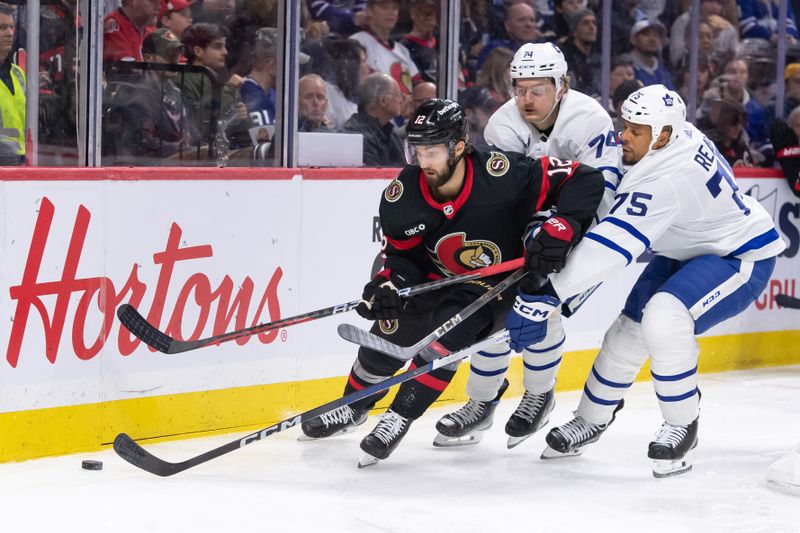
433, 160
636, 139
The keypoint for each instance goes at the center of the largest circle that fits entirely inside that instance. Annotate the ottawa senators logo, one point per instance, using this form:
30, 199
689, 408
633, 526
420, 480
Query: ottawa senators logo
456, 255
393, 191
497, 164
388, 326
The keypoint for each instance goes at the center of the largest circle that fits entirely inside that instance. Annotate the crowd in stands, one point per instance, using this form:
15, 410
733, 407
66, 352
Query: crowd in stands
365, 65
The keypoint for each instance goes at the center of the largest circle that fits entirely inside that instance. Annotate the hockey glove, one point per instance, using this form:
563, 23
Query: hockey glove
787, 152
547, 246
380, 300
527, 321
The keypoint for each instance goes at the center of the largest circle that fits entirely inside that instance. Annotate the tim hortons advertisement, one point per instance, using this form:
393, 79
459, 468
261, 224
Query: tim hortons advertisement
200, 258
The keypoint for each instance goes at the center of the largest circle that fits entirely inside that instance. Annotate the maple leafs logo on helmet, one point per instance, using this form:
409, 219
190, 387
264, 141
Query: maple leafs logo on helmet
657, 107
668, 100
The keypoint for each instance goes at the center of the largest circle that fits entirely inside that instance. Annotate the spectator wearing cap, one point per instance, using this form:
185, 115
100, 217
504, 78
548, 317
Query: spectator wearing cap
647, 38
125, 28
384, 54
521, 27
581, 54
175, 15
213, 96
420, 41
312, 104
147, 119
624, 14
379, 101
759, 19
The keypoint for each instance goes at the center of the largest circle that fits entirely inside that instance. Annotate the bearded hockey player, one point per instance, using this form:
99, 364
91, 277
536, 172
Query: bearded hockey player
451, 210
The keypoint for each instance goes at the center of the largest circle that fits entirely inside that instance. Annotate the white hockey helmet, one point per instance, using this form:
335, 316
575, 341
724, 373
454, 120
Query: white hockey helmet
539, 60
657, 107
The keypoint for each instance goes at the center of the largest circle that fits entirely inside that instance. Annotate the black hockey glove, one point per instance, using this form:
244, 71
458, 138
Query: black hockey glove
547, 245
787, 152
380, 300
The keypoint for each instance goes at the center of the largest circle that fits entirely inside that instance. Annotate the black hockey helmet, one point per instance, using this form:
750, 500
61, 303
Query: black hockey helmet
437, 121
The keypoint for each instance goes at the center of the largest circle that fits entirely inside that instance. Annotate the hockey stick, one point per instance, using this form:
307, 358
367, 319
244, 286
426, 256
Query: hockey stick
150, 335
369, 340
790, 302
141, 458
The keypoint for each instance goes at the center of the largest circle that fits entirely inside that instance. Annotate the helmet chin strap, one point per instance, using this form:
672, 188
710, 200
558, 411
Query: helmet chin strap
556, 102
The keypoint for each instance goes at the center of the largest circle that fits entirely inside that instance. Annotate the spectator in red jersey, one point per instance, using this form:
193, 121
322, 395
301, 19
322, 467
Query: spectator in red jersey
175, 15
125, 28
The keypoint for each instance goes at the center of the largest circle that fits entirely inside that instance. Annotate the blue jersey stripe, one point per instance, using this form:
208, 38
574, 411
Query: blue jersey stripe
543, 367
675, 377
756, 242
611, 186
488, 372
614, 170
609, 383
595, 399
610, 244
629, 228
677, 398
553, 347
487, 354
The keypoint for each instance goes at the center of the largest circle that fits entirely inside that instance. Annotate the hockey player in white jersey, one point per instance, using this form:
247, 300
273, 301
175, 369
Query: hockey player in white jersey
715, 251
545, 117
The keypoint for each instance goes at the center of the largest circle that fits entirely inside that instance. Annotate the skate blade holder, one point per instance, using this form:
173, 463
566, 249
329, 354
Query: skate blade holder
367, 460
549, 453
304, 438
443, 441
672, 467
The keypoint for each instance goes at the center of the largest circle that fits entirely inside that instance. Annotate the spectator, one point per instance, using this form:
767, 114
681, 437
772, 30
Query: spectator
474, 34
759, 19
12, 95
785, 137
258, 87
757, 127
213, 98
647, 38
678, 44
478, 105
344, 17
420, 42
581, 54
704, 75
125, 28
147, 119
520, 25
563, 11
379, 101
728, 120
791, 95
621, 70
624, 14
494, 75
214, 11
383, 53
175, 15
312, 104
348, 68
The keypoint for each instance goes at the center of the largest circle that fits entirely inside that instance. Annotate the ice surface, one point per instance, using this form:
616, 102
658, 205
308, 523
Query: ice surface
748, 420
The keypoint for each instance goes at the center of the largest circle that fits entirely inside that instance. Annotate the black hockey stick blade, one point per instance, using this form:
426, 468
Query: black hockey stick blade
790, 302
132, 452
150, 335
368, 340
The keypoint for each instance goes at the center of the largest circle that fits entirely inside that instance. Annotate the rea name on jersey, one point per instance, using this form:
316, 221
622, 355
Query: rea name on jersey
583, 132
484, 224
682, 202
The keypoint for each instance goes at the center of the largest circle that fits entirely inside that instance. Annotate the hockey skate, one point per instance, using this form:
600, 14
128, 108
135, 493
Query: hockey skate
570, 439
341, 420
532, 413
466, 426
671, 451
382, 440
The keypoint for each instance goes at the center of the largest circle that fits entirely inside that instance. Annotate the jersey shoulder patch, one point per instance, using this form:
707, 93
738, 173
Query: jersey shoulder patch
393, 191
497, 164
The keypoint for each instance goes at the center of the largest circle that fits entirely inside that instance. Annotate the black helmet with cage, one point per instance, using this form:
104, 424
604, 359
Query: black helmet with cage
436, 121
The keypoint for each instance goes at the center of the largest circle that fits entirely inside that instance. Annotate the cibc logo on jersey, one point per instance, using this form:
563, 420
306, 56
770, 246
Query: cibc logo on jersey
454, 254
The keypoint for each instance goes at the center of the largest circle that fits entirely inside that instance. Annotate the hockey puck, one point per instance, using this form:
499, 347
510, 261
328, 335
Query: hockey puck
92, 465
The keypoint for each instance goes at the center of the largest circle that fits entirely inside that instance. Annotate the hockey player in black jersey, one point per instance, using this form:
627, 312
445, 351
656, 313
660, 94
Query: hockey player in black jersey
453, 209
